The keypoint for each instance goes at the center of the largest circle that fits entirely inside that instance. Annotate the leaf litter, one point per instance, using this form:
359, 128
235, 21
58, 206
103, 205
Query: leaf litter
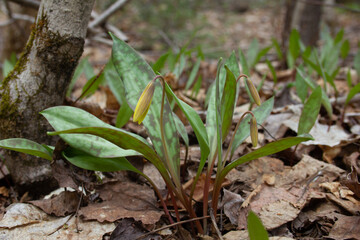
310, 198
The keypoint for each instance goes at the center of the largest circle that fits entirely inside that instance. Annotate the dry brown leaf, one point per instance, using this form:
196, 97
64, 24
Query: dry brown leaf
129, 229
25, 221
4, 191
346, 227
231, 203
124, 200
61, 205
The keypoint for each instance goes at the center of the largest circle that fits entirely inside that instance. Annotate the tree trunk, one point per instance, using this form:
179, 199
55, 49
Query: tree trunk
39, 80
304, 16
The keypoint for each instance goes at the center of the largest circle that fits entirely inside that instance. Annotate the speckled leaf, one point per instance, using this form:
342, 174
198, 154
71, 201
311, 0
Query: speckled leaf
120, 138
86, 161
228, 102
136, 74
66, 117
211, 118
26, 146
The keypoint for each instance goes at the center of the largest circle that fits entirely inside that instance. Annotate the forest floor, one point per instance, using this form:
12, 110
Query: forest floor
308, 192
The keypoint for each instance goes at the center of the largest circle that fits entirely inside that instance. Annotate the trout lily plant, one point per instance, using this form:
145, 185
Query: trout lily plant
95, 145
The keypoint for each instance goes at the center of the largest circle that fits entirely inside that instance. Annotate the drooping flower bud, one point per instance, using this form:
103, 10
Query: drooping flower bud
254, 93
253, 131
144, 102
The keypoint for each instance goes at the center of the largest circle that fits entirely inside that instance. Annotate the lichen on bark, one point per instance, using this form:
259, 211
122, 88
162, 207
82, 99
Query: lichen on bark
38, 81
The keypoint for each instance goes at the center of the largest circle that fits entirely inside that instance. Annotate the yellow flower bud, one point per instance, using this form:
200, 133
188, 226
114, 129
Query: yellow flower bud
253, 132
144, 102
254, 93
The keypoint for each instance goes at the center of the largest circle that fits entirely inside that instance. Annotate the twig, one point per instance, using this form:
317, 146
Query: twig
107, 13
172, 225
109, 27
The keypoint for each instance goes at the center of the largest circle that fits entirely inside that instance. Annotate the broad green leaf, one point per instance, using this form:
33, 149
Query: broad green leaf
310, 112
198, 127
348, 78
312, 65
228, 102
119, 137
345, 48
66, 117
160, 63
26, 146
272, 70
256, 229
83, 67
180, 66
8, 66
357, 63
294, 44
86, 161
325, 100
260, 54
196, 88
277, 48
353, 91
266, 150
181, 130
92, 85
233, 65
261, 113
136, 74
339, 36
211, 123
244, 64
117, 87
301, 87
252, 52
193, 74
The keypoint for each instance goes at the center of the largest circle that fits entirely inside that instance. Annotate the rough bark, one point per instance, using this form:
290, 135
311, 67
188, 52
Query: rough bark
39, 81
306, 18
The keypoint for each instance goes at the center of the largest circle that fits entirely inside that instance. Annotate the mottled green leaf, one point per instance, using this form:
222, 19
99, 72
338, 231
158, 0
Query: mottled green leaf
193, 74
119, 137
181, 130
26, 146
66, 117
310, 112
86, 161
228, 102
136, 74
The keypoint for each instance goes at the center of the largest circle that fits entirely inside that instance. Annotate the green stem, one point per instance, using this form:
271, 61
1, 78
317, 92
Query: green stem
179, 191
233, 137
206, 190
